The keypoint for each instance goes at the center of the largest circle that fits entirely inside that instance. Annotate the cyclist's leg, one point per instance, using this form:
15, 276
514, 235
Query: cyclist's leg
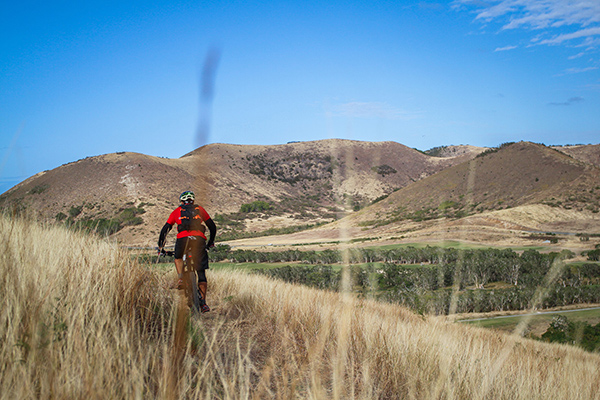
202, 283
178, 254
202, 258
202, 286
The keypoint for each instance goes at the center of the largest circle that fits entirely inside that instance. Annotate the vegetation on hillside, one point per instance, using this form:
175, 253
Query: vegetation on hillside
561, 330
128, 215
494, 149
437, 151
235, 225
293, 167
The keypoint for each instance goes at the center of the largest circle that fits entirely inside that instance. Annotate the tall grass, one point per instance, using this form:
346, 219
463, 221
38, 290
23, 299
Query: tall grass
76, 316
81, 320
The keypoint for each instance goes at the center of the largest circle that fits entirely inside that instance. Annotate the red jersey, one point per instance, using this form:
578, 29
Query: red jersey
175, 218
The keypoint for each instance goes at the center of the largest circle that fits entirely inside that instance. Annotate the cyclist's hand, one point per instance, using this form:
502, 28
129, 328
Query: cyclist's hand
210, 246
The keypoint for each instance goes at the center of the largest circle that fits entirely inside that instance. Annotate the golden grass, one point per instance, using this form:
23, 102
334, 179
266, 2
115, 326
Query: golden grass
80, 320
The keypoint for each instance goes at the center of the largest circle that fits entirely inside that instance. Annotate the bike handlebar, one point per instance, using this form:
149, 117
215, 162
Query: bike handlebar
166, 253
172, 253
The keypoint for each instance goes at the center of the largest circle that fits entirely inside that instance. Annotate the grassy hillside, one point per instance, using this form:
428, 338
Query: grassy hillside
80, 320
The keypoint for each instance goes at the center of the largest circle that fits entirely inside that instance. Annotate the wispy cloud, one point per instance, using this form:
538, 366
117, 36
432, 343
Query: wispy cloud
573, 57
546, 15
505, 48
572, 100
579, 70
381, 110
593, 86
582, 33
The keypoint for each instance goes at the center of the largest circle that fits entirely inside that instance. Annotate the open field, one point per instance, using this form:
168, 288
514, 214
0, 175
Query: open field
456, 244
82, 320
537, 323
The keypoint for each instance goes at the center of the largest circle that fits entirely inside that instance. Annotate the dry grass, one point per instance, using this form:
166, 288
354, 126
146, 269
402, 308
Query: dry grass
79, 320
76, 316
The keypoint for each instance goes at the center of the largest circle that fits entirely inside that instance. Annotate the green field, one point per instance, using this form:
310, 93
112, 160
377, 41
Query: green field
446, 244
509, 323
579, 263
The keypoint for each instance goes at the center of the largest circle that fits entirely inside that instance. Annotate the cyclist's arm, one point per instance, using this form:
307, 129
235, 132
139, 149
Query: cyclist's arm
163, 235
212, 228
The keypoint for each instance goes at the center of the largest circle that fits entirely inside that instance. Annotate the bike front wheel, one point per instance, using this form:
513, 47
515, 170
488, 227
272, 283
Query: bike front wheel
191, 291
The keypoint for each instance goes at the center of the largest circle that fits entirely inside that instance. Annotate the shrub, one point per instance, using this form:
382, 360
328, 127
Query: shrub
75, 211
129, 216
384, 170
255, 206
39, 189
448, 204
60, 216
594, 255
581, 334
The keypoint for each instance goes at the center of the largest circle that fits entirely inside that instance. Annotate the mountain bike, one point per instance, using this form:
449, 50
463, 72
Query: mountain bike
188, 278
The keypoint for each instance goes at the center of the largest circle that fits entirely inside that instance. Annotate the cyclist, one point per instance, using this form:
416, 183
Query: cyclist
190, 219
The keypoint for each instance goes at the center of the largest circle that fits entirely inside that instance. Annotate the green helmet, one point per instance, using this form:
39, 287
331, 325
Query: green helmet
187, 196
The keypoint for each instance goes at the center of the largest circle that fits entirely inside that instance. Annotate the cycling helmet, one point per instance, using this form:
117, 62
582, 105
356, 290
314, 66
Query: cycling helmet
187, 197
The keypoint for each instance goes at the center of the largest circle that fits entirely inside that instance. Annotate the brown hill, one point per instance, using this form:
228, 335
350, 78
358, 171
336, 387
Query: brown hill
500, 197
517, 174
302, 183
455, 151
587, 153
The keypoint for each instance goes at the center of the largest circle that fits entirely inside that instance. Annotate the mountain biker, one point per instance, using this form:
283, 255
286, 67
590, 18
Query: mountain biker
189, 218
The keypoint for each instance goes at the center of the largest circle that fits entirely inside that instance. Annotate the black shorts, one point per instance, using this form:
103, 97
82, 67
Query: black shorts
198, 247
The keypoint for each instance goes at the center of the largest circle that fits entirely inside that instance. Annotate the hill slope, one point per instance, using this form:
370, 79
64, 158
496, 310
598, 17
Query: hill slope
587, 153
305, 182
500, 197
518, 174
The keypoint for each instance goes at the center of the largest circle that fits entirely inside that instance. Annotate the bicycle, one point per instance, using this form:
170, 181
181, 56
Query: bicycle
188, 278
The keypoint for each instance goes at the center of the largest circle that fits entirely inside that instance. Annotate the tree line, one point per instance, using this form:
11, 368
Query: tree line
402, 255
438, 281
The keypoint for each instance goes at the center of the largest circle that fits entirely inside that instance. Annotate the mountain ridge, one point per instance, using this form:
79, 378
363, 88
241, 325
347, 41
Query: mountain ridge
304, 182
381, 189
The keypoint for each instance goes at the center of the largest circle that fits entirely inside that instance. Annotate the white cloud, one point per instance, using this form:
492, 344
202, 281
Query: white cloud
546, 15
505, 48
371, 110
573, 57
582, 33
579, 70
539, 13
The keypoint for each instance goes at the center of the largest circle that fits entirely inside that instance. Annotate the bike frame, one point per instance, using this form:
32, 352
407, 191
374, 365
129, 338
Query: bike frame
188, 277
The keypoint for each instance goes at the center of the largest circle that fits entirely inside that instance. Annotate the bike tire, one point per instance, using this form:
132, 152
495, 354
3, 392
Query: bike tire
191, 291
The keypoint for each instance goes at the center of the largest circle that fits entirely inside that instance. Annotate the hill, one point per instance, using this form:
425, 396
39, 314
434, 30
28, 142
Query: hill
587, 153
454, 151
517, 174
501, 197
298, 184
515, 189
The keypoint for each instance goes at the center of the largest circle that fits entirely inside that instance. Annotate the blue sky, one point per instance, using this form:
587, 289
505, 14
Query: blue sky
80, 79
